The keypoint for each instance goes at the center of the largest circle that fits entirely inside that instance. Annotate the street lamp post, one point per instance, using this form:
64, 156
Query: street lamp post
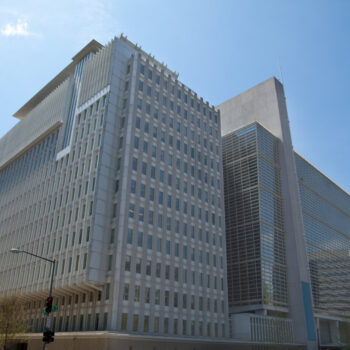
53, 262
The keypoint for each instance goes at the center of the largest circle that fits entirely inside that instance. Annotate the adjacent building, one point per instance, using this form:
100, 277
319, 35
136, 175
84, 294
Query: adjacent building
326, 218
287, 229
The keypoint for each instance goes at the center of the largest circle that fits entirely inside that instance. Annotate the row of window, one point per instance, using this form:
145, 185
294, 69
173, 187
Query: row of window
179, 300
201, 176
186, 253
201, 139
160, 324
158, 220
153, 109
186, 99
170, 326
200, 194
167, 272
28, 163
73, 323
187, 209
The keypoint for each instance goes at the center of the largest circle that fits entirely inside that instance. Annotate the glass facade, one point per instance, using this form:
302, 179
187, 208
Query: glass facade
254, 218
326, 216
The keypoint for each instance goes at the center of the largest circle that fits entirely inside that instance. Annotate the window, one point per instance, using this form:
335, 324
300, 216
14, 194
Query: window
143, 190
137, 294
157, 297
149, 242
184, 301
151, 194
124, 321
110, 257
160, 197
131, 210
184, 252
140, 85
138, 123
129, 236
159, 244
148, 268
139, 239
126, 292
176, 274
156, 324
145, 146
107, 288
128, 263
166, 325
136, 142
132, 187
176, 252
150, 217
97, 317
144, 168
167, 247
138, 265
147, 295
145, 323
166, 298
135, 323
158, 270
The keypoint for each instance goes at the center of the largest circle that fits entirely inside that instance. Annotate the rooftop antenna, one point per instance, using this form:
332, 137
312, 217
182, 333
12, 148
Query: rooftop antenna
279, 66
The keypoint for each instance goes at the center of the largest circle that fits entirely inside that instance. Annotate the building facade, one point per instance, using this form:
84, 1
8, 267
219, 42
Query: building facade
287, 227
115, 172
326, 217
254, 222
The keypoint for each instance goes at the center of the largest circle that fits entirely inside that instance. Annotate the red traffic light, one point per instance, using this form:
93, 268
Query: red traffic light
49, 301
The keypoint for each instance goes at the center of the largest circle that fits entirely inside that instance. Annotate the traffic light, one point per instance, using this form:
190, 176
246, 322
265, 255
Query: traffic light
48, 336
49, 304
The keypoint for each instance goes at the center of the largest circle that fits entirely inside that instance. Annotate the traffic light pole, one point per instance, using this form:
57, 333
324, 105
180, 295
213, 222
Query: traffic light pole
53, 262
48, 318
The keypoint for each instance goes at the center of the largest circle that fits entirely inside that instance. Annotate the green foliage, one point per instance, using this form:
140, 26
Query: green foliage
13, 320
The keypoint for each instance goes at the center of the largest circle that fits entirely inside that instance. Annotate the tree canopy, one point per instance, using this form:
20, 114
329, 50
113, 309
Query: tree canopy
13, 320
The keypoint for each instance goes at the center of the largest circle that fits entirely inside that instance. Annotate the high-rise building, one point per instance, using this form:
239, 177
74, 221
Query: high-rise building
326, 218
287, 229
115, 172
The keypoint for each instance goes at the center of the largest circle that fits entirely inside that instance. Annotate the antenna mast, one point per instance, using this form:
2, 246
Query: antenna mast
279, 66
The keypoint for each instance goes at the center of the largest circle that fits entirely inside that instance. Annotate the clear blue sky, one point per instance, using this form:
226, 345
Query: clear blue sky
219, 47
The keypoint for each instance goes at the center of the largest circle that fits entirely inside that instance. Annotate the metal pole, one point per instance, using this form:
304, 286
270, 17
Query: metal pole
52, 273
53, 262
48, 318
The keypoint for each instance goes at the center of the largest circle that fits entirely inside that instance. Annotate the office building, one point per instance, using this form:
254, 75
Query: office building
115, 172
287, 228
326, 218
